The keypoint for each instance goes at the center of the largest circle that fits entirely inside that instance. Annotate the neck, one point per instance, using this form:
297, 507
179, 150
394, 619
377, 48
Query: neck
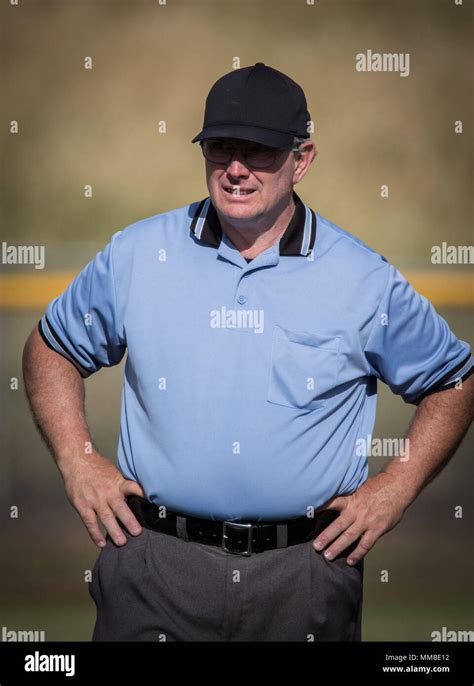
255, 237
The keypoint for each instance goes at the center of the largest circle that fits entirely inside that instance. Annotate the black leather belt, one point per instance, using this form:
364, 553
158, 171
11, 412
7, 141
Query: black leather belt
240, 538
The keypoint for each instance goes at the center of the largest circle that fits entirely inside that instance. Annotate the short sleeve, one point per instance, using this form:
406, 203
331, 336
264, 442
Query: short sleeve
83, 323
411, 347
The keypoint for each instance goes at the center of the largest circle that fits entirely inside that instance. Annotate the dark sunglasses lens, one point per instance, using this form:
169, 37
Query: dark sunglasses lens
260, 156
216, 151
256, 155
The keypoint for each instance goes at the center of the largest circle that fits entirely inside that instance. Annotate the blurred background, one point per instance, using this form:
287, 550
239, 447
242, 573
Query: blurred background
155, 63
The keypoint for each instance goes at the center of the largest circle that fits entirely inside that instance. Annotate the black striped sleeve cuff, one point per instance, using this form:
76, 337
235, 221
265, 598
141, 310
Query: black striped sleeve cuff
460, 372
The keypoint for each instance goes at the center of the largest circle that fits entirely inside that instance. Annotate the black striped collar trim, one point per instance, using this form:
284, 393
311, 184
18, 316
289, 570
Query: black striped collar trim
298, 238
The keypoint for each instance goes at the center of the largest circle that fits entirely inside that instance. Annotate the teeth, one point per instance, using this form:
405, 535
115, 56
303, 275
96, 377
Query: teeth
237, 191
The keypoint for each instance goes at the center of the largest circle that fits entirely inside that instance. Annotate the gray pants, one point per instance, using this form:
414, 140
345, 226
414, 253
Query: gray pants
161, 588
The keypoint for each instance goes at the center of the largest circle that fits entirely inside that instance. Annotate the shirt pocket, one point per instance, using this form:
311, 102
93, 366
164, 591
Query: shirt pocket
304, 368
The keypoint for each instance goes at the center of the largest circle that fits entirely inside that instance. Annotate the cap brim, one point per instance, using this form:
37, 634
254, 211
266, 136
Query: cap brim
273, 139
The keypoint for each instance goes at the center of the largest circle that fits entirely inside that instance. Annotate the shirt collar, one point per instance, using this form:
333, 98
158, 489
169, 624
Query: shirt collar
298, 238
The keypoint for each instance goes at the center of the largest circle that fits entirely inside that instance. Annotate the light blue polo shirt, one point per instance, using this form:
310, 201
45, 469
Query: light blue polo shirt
248, 385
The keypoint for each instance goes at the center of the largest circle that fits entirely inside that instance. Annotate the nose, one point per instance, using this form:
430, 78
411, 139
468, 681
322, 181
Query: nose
237, 166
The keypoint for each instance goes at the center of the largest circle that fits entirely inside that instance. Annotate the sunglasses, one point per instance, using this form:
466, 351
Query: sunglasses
255, 155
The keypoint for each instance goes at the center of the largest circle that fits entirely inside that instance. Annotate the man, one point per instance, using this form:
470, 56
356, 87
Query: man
256, 331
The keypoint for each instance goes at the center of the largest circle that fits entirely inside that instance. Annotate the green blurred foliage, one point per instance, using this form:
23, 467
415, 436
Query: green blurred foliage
100, 127
155, 63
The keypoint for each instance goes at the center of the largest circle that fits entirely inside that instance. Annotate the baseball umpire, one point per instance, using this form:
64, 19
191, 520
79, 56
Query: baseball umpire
255, 331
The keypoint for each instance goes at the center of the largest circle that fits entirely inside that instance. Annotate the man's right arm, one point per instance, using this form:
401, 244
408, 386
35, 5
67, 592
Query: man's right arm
95, 487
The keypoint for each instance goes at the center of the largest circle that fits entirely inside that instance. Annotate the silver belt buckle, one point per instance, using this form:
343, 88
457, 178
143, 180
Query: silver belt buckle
237, 525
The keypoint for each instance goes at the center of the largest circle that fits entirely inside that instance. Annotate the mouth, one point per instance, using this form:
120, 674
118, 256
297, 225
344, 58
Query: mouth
237, 191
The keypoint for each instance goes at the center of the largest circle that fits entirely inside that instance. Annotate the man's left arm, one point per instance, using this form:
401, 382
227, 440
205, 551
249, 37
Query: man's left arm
437, 429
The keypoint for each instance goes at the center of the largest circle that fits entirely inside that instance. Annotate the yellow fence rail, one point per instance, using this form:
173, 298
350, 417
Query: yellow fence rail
34, 291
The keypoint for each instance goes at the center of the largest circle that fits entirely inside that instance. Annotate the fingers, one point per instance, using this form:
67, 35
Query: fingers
365, 515
128, 487
97, 489
108, 519
126, 516
341, 534
108, 516
366, 543
346, 539
89, 518
335, 529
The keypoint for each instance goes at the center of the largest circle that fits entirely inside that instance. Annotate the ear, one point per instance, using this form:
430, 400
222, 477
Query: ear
307, 152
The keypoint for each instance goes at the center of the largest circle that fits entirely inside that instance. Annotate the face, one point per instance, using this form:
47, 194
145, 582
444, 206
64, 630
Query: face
243, 194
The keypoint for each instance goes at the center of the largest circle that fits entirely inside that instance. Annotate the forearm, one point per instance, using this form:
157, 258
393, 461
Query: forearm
55, 391
96, 487
437, 429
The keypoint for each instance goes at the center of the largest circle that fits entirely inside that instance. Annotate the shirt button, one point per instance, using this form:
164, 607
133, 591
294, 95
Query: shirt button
241, 299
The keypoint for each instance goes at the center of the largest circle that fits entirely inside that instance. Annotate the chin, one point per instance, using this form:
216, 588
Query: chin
237, 211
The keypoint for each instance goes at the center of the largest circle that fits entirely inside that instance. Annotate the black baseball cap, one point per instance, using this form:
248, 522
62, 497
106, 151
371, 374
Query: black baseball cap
258, 104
